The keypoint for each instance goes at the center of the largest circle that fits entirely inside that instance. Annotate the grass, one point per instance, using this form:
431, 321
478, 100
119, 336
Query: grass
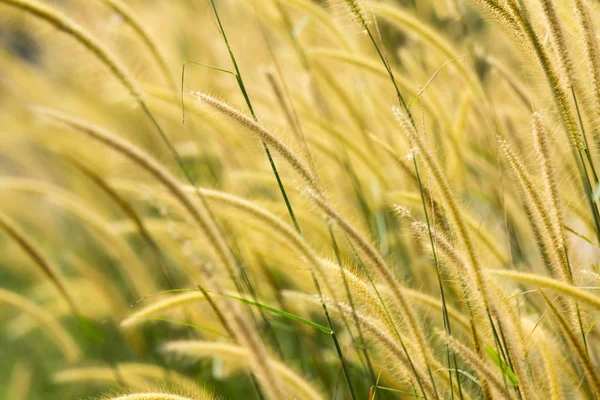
344, 199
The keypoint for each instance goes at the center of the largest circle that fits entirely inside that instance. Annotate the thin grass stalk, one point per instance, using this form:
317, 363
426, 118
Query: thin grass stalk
351, 302
242, 88
265, 135
558, 40
453, 209
306, 65
137, 25
240, 327
590, 47
25, 243
294, 122
424, 192
64, 24
283, 99
320, 15
560, 99
21, 378
565, 289
380, 266
131, 213
381, 53
512, 81
580, 350
582, 128
447, 326
63, 339
433, 107
556, 243
409, 22
478, 365
267, 324
388, 314
342, 95
399, 352
113, 245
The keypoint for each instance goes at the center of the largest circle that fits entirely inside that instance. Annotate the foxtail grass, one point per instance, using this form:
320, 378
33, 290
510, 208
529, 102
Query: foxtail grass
242, 331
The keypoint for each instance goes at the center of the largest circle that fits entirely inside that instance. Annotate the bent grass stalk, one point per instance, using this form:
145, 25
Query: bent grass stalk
399, 352
199, 349
475, 362
559, 265
71, 28
358, 285
113, 244
580, 350
590, 46
264, 134
131, 213
406, 21
220, 222
555, 285
277, 225
138, 26
49, 270
436, 110
241, 330
314, 192
147, 312
552, 219
62, 338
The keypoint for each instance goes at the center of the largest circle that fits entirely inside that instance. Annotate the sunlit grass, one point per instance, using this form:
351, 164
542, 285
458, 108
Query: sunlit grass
308, 199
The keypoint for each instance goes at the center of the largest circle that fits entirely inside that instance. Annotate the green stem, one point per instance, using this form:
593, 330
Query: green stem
283, 193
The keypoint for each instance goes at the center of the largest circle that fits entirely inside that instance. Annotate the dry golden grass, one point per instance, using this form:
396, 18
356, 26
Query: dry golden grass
308, 199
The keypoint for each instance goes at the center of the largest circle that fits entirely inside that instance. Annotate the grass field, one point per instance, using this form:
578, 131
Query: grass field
299, 199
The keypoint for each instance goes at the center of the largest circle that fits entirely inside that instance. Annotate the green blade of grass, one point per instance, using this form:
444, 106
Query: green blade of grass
281, 313
466, 374
288, 204
506, 370
183, 80
579, 235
